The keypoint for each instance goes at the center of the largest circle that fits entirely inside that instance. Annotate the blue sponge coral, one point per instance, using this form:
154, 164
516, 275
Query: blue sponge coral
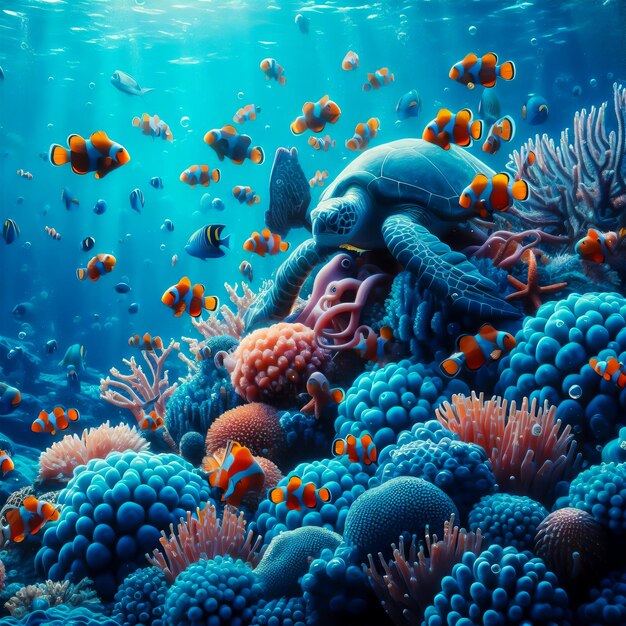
501, 587
113, 510
140, 599
219, 592
281, 612
601, 491
608, 603
391, 399
507, 520
551, 362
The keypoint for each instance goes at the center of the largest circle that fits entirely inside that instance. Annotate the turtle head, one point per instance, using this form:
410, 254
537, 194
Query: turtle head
336, 221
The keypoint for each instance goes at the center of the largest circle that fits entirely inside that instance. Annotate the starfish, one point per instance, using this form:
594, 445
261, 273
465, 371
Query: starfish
531, 291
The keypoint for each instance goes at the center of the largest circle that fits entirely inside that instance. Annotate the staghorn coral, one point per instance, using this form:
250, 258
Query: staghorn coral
580, 185
204, 537
59, 460
411, 580
526, 450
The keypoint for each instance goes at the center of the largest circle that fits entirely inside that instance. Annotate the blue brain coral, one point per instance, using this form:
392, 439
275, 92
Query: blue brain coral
217, 592
501, 587
608, 603
601, 491
393, 398
551, 362
507, 520
281, 612
140, 599
112, 513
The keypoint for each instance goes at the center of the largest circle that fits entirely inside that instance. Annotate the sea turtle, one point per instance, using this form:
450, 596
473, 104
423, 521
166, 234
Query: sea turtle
403, 196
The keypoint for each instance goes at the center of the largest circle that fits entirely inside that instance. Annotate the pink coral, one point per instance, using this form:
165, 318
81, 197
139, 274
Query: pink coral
255, 426
59, 461
273, 364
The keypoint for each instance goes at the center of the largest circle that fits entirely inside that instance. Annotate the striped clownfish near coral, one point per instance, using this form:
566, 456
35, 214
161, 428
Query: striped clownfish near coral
27, 519
58, 419
297, 494
472, 71
98, 266
147, 342
183, 297
598, 247
361, 449
611, 369
486, 196
501, 130
151, 421
235, 471
321, 394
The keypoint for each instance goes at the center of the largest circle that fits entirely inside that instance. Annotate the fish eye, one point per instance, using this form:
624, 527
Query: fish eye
346, 263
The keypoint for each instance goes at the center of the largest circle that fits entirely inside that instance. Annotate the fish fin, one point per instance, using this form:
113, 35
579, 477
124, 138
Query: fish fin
282, 80
257, 155
211, 303
520, 190
324, 494
308, 107
284, 246
225, 242
73, 415
491, 58
451, 367
507, 70
277, 495
229, 128
100, 141
77, 143
338, 394
185, 282
298, 126
136, 122
58, 155
146, 90
386, 333
216, 175
339, 447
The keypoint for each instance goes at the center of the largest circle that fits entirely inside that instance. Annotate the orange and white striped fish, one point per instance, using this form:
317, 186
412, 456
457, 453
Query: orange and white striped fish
53, 232
378, 79
598, 247
25, 174
501, 130
151, 421
315, 116
247, 113
350, 61
235, 471
322, 143
200, 175
6, 463
246, 194
448, 128
611, 369
27, 519
472, 71
183, 297
361, 449
264, 243
488, 196
297, 494
98, 265
58, 419
363, 133
153, 126
147, 342
319, 178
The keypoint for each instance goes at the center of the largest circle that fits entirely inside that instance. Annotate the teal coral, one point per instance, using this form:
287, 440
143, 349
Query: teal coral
140, 599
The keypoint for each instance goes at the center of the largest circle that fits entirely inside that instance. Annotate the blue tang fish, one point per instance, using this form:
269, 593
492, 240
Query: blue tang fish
206, 241
535, 109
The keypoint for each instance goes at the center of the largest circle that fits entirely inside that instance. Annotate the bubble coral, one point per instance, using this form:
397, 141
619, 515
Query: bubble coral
601, 491
607, 606
273, 364
391, 399
526, 450
280, 612
191, 447
140, 599
220, 591
112, 513
501, 586
507, 520
401, 506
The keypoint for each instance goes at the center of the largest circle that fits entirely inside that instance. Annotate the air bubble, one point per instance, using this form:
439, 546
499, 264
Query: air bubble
536, 430
575, 392
560, 323
240, 95
533, 41
50, 79
472, 30
21, 335
267, 126
92, 85
495, 568
162, 246
593, 82
51, 125
184, 121
24, 45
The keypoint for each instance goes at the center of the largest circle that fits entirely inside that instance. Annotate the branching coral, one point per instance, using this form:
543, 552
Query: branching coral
59, 460
204, 537
575, 186
412, 579
527, 452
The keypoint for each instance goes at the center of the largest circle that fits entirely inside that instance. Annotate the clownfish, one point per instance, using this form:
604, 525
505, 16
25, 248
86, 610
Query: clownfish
321, 394
235, 471
265, 242
371, 346
52, 232
6, 463
361, 449
474, 351
318, 179
147, 342
273, 69
58, 419
246, 194
502, 130
484, 71
378, 79
97, 154
315, 116
498, 194
611, 369
322, 143
152, 126
457, 128
597, 247
183, 296
25, 174
98, 265
227, 142
200, 175
363, 133
27, 519
245, 114
151, 421
350, 61
298, 494
10, 398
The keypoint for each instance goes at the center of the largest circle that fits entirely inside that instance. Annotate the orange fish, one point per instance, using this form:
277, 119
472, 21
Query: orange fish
321, 394
296, 494
6, 463
378, 79
227, 142
59, 419
371, 347
501, 130
316, 116
247, 113
273, 69
611, 369
29, 518
350, 61
531, 157
363, 133
235, 471
151, 421
53, 232
152, 126
98, 265
484, 71
597, 247
474, 351
246, 194
200, 175
183, 296
498, 194
147, 342
322, 143
319, 178
448, 128
358, 450
265, 242
97, 154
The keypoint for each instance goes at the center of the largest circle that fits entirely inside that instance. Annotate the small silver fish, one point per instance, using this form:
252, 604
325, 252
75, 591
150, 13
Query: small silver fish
126, 83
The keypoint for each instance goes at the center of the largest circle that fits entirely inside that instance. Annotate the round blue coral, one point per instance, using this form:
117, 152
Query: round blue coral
307, 436
601, 491
507, 520
391, 399
281, 612
216, 592
607, 605
501, 587
140, 599
113, 510
551, 362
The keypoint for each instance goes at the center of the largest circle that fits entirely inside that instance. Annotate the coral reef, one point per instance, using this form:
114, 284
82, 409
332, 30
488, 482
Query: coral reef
607, 606
308, 438
140, 599
62, 615
281, 612
191, 447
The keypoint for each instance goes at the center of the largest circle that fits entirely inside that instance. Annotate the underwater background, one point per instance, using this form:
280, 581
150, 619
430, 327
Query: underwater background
377, 379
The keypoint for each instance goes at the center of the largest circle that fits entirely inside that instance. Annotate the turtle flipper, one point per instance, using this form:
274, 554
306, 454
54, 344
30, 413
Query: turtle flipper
448, 274
290, 193
277, 302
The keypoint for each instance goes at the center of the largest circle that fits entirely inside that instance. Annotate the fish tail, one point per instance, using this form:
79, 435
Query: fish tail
284, 246
508, 128
257, 155
324, 494
520, 190
367, 87
216, 175
211, 303
299, 125
452, 366
225, 242
507, 70
282, 80
136, 122
476, 129
81, 273
58, 155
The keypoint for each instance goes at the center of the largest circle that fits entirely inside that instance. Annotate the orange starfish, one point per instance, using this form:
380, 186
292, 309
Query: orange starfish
531, 291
